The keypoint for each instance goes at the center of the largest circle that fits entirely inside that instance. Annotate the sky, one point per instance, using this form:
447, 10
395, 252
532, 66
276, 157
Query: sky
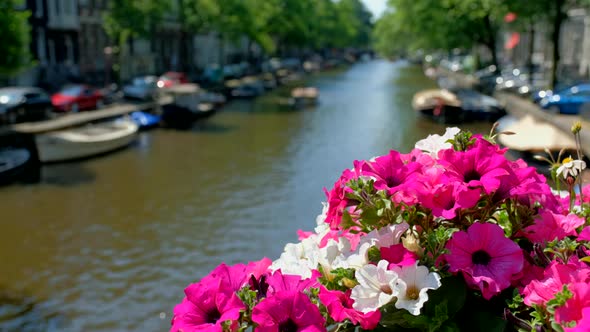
376, 6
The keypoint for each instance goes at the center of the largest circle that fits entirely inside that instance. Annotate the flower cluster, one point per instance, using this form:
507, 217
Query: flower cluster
450, 236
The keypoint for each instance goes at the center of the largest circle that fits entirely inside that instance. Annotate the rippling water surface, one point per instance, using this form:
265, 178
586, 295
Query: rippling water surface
109, 244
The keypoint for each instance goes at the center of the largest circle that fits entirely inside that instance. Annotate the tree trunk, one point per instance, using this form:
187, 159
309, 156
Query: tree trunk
557, 22
476, 58
490, 42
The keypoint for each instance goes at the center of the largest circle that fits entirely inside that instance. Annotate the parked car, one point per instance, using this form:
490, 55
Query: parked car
112, 93
573, 100
21, 104
74, 98
142, 88
172, 78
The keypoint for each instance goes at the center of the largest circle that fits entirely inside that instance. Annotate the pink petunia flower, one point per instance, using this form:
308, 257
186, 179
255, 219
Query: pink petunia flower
236, 276
445, 199
479, 167
391, 173
340, 308
571, 311
279, 282
528, 273
288, 311
586, 193
584, 234
336, 199
487, 259
398, 255
556, 275
302, 235
551, 226
417, 155
205, 307
257, 268
583, 325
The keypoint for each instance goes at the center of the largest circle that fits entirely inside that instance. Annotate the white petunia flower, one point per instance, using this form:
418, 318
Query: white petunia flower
375, 288
411, 287
298, 258
385, 236
434, 143
331, 256
571, 167
356, 259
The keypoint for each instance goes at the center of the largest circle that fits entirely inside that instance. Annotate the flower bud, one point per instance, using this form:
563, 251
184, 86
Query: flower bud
576, 127
411, 243
348, 283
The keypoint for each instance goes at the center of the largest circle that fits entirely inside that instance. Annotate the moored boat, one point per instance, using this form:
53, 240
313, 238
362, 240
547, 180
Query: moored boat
87, 141
189, 104
13, 162
439, 104
457, 106
181, 117
304, 96
145, 120
247, 87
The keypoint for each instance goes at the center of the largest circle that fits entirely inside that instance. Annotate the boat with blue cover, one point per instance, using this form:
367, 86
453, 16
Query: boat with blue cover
145, 120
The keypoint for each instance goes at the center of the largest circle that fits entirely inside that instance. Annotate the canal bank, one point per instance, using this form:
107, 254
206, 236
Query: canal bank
109, 244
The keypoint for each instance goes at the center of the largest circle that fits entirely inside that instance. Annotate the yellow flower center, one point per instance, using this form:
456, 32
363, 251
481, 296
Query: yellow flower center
567, 160
412, 293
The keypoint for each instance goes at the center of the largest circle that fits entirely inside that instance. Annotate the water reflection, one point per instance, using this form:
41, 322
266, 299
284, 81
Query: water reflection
77, 174
113, 241
23, 313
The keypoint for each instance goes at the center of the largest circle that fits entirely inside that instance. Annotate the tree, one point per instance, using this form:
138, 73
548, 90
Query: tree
15, 32
552, 12
389, 38
444, 24
356, 19
132, 18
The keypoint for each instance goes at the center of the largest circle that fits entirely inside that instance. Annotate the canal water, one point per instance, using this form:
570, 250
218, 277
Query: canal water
109, 244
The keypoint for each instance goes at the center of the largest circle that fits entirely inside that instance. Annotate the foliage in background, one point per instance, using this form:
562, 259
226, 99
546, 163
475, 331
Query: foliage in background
445, 25
132, 18
15, 32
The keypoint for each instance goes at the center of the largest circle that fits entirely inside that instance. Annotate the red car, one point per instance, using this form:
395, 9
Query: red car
172, 78
74, 98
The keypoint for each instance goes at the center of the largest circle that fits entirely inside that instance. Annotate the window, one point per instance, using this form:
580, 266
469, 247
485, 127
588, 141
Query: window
51, 46
39, 8
69, 50
41, 52
34, 96
72, 90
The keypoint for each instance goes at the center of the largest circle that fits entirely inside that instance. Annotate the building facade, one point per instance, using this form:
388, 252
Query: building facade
54, 43
95, 48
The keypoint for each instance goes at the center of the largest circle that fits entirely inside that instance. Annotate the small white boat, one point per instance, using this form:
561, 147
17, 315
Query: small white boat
85, 141
534, 135
304, 96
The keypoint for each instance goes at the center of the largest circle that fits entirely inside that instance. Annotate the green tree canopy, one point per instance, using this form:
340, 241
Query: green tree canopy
15, 32
439, 25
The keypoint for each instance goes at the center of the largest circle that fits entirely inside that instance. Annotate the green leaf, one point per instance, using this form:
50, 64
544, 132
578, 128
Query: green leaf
450, 295
401, 319
479, 314
347, 221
